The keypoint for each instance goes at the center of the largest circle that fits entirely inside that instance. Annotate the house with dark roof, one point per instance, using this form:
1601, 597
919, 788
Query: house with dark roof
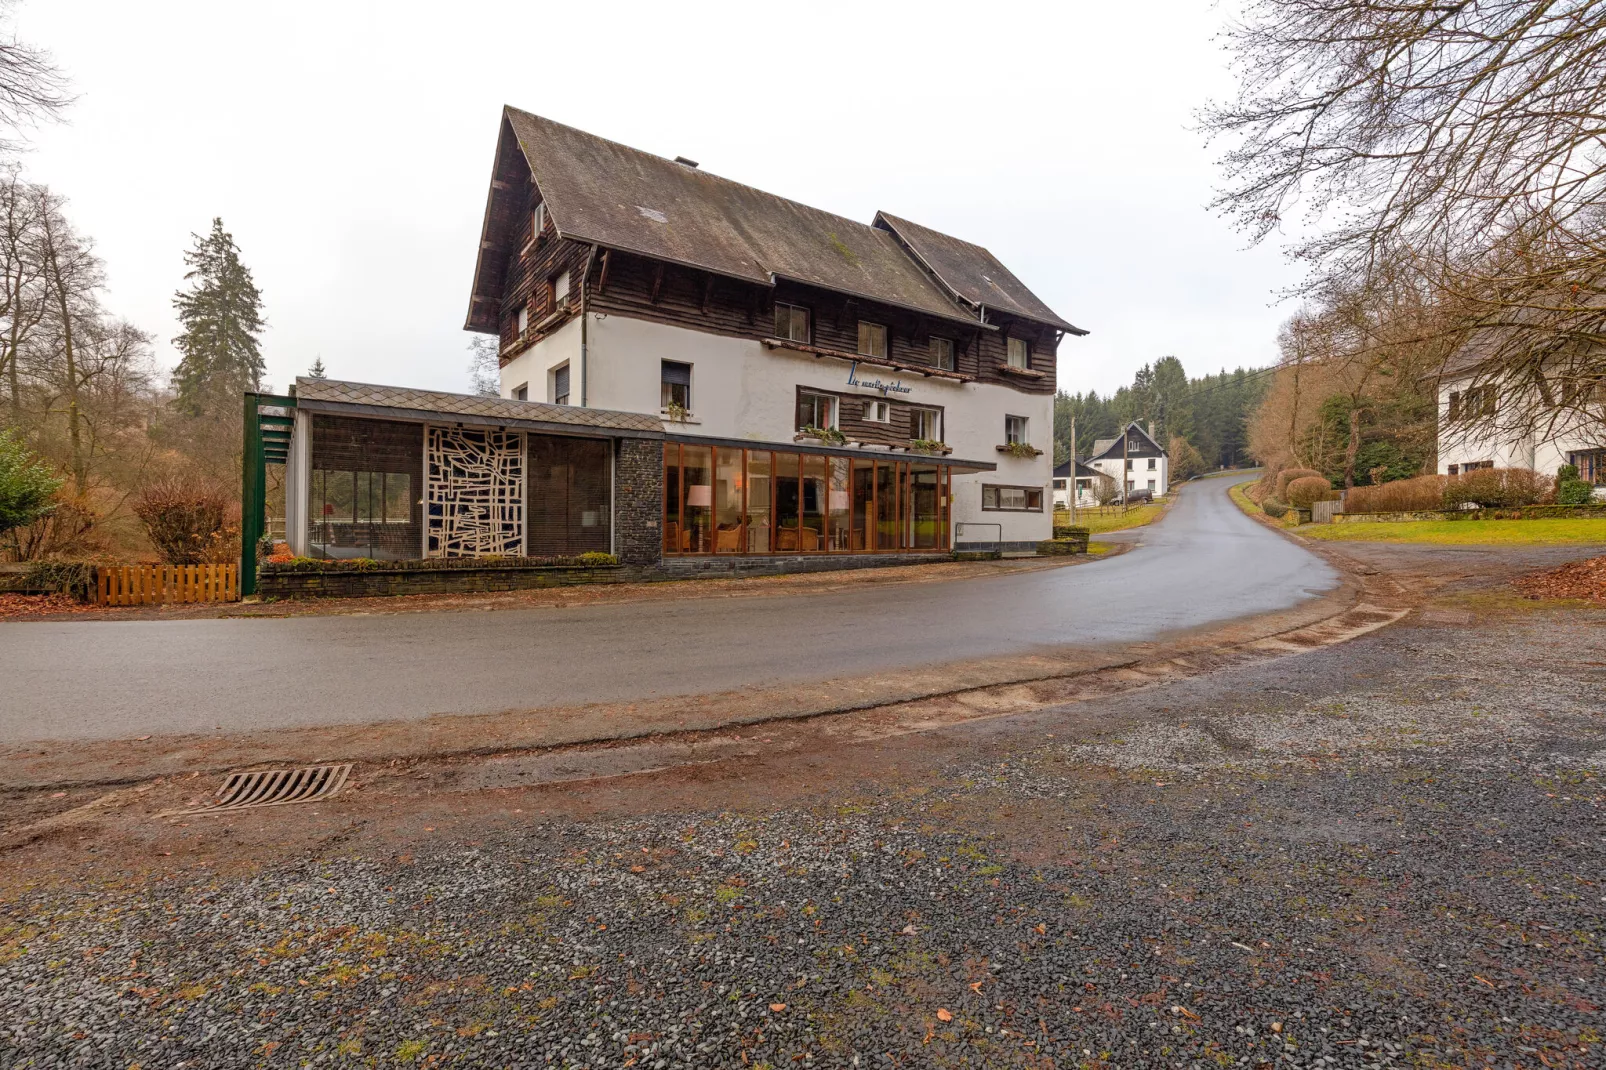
825, 386
1134, 459
1085, 487
694, 375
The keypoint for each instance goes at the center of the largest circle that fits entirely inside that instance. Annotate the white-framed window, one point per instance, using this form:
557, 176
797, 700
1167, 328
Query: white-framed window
1014, 430
538, 221
675, 377
878, 412
925, 424
815, 410
524, 318
560, 384
1002, 499
1020, 353
872, 339
1151, 484
942, 353
521, 392
792, 322
560, 290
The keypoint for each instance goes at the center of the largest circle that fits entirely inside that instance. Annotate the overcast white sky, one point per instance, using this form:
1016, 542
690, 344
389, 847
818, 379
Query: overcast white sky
348, 147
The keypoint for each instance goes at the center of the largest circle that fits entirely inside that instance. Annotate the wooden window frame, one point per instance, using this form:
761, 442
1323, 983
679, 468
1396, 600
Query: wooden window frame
1026, 352
808, 323
836, 407
1025, 430
665, 402
886, 340
936, 361
936, 412
998, 508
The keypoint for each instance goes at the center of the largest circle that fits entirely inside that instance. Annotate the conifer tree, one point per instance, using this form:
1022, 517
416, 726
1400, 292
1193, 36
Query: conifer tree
222, 317
316, 371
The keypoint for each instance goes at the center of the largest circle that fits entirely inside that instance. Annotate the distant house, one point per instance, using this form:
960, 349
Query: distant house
1134, 459
1086, 485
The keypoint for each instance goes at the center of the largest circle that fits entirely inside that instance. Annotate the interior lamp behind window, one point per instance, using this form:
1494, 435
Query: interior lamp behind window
700, 494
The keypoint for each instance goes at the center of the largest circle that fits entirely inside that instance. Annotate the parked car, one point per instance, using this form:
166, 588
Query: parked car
1140, 494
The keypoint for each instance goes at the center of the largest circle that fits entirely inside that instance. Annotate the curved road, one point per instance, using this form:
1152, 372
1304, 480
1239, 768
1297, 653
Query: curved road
1205, 562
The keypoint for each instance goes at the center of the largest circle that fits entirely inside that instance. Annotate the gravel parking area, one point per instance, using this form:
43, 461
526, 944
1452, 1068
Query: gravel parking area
1388, 853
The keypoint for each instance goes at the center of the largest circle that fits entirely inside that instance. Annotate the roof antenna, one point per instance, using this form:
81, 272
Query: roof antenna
688, 163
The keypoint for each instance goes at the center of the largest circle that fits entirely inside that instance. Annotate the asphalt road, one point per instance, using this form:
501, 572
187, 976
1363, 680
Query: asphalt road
1205, 563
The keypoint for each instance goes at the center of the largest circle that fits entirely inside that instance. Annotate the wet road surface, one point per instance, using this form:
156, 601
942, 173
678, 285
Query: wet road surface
1204, 563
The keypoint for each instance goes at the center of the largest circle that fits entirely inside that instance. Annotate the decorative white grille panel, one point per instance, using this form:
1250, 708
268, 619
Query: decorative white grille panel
474, 496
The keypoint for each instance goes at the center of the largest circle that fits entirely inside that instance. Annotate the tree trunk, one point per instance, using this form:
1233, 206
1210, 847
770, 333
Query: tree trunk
1353, 448
80, 465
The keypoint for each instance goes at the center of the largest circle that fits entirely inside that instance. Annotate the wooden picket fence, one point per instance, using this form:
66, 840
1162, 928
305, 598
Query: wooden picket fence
143, 585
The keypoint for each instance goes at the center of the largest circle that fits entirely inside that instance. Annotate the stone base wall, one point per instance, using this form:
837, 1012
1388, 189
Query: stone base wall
379, 583
1526, 512
783, 564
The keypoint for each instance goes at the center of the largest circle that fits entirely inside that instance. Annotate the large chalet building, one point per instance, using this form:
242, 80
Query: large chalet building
693, 370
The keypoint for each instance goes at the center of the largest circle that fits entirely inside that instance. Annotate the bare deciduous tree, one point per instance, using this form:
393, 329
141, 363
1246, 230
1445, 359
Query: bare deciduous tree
1462, 142
32, 87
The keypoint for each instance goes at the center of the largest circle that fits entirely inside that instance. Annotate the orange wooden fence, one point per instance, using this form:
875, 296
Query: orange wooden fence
142, 585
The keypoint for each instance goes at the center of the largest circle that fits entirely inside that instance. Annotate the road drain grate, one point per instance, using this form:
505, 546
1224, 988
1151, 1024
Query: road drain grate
277, 787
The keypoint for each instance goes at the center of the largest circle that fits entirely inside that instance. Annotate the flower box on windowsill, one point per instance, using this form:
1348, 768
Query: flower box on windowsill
932, 448
1021, 450
824, 436
677, 417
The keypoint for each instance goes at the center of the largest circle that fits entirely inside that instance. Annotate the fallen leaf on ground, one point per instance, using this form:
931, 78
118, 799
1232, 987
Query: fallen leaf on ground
777, 1007
944, 1014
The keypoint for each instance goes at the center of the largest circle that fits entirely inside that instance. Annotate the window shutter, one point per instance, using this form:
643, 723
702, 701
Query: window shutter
560, 383
676, 373
569, 494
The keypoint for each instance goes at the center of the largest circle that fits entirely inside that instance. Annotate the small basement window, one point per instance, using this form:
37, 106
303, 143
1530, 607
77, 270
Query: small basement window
872, 340
792, 323
675, 377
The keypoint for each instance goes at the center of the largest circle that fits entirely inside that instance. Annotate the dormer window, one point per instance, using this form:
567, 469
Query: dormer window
1020, 354
872, 340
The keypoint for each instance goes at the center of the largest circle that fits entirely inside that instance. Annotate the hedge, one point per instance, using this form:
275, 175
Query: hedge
592, 559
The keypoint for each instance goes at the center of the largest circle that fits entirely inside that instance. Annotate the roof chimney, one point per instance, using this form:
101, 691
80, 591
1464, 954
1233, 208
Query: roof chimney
685, 162
1151, 428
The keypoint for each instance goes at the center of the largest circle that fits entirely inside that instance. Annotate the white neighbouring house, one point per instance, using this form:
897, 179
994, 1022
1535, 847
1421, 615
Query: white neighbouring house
1087, 479
1467, 439
1134, 459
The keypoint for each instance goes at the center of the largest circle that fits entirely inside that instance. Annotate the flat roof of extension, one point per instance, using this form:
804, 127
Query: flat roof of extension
370, 399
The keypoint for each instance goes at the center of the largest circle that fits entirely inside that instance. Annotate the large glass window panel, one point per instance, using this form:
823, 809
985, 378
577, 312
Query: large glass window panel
758, 501
925, 513
672, 498
812, 536
838, 506
729, 482
697, 512
788, 503
886, 501
362, 497
863, 493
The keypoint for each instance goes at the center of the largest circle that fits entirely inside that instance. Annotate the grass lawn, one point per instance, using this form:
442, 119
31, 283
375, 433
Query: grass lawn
1112, 519
1466, 532
1241, 500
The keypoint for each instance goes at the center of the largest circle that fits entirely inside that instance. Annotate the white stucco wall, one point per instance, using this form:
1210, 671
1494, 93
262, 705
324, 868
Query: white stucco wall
1544, 453
742, 390
1140, 475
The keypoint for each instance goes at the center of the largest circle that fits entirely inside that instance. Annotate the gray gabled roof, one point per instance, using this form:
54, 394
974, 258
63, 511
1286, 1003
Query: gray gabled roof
599, 191
333, 395
1102, 444
1110, 446
1063, 471
972, 273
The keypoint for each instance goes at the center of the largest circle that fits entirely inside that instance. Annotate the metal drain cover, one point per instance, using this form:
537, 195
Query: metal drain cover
276, 787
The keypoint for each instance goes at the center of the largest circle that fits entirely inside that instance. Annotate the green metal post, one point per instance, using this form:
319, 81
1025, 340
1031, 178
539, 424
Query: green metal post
253, 488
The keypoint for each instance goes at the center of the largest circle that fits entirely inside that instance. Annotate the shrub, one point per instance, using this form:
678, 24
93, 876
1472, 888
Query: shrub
75, 578
64, 531
1574, 492
27, 488
1421, 494
597, 559
1185, 461
1274, 508
1288, 475
1306, 491
186, 517
1495, 488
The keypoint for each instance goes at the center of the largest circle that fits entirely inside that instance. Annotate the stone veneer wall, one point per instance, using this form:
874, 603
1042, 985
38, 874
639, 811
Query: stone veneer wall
378, 583
638, 505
